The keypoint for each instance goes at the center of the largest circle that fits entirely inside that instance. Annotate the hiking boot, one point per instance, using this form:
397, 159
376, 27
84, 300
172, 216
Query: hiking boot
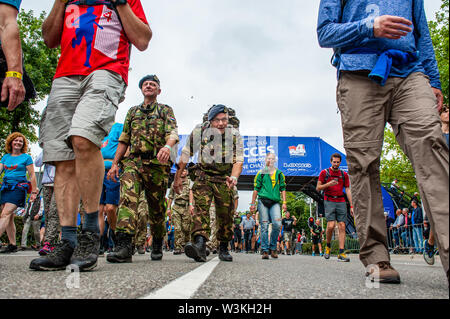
327, 253
265, 255
48, 248
9, 249
56, 259
343, 257
86, 252
122, 252
141, 250
273, 254
428, 252
157, 252
386, 274
196, 250
224, 254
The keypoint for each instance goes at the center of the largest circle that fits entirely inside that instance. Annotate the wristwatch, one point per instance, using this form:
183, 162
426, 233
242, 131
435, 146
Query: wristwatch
119, 2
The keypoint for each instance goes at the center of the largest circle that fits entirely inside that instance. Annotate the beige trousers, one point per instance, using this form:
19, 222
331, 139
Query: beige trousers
409, 106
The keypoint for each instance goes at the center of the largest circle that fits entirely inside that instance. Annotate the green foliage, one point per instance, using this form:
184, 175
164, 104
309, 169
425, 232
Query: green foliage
40, 63
439, 35
297, 205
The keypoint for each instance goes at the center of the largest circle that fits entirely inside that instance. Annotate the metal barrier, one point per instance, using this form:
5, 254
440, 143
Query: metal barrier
406, 239
402, 240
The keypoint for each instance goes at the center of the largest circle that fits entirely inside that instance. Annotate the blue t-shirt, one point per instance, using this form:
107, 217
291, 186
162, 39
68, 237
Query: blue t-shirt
14, 3
15, 167
110, 142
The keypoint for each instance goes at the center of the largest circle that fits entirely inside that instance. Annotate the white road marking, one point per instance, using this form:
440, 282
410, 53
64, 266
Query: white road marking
185, 286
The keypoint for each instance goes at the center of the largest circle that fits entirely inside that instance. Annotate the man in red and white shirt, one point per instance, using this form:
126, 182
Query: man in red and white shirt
332, 182
90, 81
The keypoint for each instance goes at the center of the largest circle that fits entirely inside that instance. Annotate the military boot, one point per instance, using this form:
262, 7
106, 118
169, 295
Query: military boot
157, 252
122, 252
196, 250
224, 253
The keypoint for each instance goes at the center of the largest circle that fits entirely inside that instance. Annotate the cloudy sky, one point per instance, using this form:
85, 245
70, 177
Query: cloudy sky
260, 57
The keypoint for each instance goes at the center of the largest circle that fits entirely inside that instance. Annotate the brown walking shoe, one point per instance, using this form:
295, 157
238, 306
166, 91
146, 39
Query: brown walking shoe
386, 274
273, 254
265, 255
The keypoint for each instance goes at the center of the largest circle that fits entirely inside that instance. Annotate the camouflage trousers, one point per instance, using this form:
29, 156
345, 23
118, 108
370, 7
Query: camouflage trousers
204, 192
181, 219
152, 180
52, 225
140, 235
212, 242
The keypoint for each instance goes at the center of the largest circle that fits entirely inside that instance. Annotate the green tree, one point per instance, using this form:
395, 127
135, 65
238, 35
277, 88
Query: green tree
439, 35
40, 63
298, 206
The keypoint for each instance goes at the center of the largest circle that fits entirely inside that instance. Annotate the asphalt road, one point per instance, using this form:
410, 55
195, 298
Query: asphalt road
247, 277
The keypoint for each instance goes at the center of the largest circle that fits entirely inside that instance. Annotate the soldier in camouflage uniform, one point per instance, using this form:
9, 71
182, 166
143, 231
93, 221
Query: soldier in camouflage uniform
150, 130
180, 213
220, 149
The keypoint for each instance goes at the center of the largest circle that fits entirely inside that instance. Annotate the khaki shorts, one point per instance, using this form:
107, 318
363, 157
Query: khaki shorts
79, 106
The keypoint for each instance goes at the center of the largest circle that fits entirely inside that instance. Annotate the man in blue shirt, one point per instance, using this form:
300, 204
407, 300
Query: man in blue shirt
12, 87
387, 72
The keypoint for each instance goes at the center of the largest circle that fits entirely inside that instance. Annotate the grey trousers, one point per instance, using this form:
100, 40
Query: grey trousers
409, 106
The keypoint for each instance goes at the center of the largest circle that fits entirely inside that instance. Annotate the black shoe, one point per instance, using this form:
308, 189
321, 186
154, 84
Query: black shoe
177, 252
57, 259
9, 249
122, 252
224, 254
157, 252
101, 252
86, 252
196, 250
214, 251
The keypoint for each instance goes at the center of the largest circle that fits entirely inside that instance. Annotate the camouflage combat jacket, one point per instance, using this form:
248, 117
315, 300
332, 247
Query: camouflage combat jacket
216, 152
146, 130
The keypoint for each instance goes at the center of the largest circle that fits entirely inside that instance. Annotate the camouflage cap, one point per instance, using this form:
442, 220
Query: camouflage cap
216, 109
152, 77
